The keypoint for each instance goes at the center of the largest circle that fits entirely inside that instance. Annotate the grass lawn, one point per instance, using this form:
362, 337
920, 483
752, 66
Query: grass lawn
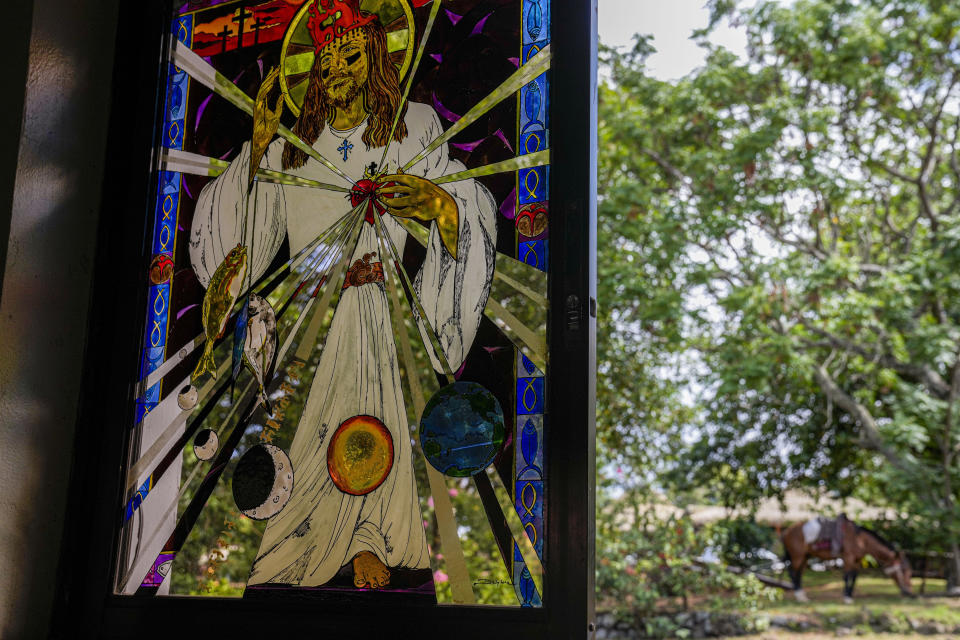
825, 590
821, 635
877, 605
878, 610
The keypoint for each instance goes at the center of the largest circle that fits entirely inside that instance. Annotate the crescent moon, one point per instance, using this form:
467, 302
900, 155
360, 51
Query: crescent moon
262, 482
188, 397
205, 445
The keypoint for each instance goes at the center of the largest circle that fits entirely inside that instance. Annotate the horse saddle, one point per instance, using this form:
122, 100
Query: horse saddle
825, 534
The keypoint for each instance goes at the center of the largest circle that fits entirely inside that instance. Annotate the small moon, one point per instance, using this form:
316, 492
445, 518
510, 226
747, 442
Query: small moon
205, 445
262, 482
164, 569
188, 397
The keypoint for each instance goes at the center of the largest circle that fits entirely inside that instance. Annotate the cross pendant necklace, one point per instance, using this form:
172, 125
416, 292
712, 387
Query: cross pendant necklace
345, 148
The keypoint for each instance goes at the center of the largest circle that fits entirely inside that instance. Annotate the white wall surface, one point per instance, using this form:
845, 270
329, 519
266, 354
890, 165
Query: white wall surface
46, 286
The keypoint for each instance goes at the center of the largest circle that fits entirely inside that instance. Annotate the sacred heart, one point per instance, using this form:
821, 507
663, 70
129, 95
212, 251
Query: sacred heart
161, 268
366, 190
532, 222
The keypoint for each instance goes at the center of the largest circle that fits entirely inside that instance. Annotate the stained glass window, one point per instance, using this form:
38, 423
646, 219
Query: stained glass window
342, 383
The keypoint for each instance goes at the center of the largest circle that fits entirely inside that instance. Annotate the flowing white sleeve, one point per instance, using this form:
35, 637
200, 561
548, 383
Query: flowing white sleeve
218, 219
454, 291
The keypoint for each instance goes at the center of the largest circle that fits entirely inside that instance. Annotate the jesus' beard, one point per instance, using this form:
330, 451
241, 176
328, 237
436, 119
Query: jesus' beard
343, 96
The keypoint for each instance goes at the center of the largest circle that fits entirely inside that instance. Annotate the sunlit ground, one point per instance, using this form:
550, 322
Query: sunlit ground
877, 602
821, 635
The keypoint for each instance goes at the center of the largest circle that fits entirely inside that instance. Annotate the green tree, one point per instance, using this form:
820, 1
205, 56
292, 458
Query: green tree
640, 348
785, 227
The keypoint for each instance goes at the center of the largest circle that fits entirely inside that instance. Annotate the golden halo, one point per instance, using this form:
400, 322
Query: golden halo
360, 455
297, 51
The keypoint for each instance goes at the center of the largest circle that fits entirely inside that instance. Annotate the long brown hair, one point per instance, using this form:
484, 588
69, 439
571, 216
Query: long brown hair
381, 98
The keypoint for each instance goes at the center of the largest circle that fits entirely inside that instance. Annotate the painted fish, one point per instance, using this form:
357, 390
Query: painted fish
260, 346
222, 292
239, 339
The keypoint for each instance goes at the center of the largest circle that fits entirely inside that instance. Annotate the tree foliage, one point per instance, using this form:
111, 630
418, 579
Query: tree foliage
780, 258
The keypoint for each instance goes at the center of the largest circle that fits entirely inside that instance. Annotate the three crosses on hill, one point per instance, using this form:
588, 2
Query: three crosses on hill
240, 16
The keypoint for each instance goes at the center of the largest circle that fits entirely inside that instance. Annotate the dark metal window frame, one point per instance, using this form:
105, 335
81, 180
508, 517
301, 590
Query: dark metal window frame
85, 605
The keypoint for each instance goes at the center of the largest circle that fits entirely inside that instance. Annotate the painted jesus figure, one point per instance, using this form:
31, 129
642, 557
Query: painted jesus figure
348, 111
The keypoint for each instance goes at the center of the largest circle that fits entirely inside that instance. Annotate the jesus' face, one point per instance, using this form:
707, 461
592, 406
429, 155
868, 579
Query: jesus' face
352, 76
344, 68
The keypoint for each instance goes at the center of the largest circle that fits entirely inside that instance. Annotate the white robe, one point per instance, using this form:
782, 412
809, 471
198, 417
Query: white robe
322, 528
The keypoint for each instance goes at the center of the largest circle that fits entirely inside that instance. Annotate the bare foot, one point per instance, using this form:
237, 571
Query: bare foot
368, 571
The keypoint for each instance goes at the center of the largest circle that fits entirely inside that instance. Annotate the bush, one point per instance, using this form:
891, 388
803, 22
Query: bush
656, 567
742, 541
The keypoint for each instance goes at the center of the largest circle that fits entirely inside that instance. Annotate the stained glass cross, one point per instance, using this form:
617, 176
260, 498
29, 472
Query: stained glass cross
257, 25
240, 16
224, 35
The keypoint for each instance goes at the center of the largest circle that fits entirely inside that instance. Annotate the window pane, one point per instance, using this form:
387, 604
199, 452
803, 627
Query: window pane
342, 382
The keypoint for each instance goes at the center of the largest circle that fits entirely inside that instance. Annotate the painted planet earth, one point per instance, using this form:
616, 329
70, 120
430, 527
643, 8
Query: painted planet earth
462, 429
360, 455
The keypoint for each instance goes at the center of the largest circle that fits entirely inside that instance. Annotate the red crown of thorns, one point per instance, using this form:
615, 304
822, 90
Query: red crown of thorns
331, 19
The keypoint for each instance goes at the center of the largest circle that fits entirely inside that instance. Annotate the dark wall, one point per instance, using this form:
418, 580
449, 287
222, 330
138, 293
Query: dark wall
50, 189
13, 51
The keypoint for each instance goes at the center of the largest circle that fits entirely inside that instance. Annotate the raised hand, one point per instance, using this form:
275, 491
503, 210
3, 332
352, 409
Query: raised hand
266, 120
414, 197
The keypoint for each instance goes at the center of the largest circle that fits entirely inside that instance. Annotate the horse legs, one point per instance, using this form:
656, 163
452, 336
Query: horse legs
849, 580
850, 562
797, 565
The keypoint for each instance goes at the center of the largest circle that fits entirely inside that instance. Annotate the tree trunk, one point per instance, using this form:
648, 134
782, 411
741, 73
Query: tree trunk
954, 572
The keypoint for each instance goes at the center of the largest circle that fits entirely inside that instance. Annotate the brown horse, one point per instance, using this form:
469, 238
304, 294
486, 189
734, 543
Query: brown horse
854, 543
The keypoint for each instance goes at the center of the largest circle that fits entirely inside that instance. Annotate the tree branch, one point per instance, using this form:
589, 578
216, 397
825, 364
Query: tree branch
888, 169
917, 373
666, 165
870, 434
815, 252
948, 448
926, 166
